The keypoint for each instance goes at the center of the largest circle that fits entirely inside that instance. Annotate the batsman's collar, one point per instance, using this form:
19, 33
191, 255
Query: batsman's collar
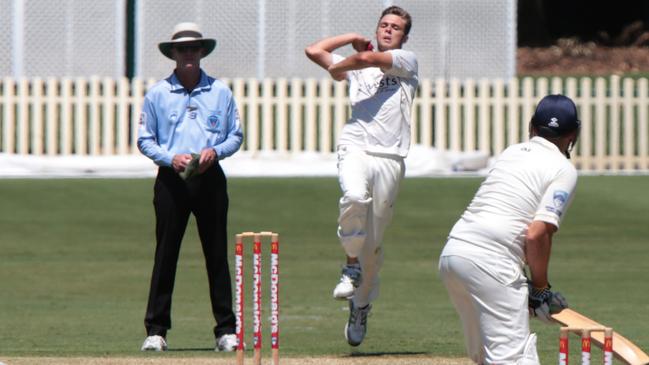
185, 33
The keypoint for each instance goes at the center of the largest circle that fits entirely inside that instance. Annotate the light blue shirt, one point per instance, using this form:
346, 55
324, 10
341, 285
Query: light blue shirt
174, 121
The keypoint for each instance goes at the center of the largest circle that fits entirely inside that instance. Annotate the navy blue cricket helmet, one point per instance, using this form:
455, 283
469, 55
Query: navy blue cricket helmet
555, 116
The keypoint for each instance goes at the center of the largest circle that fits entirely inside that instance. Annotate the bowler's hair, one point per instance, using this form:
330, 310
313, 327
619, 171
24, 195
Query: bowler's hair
396, 10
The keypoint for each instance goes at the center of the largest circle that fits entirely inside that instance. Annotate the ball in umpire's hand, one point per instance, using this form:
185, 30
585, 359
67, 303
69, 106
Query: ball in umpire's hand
192, 167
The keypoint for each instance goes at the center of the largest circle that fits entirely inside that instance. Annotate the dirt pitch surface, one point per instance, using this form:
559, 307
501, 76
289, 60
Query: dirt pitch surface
352, 360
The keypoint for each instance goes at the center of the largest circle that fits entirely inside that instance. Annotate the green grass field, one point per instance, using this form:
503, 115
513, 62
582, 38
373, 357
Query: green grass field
76, 257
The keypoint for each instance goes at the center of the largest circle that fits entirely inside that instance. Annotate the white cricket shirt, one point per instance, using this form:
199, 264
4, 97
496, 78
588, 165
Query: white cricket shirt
381, 105
529, 181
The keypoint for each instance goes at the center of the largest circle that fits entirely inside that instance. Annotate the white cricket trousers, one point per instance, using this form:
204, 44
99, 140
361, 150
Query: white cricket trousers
494, 314
369, 184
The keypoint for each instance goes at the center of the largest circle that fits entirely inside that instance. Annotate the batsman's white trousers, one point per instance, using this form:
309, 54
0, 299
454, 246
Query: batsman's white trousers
370, 184
494, 314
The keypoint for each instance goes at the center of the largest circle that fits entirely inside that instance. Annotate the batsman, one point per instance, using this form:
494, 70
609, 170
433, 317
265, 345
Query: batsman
509, 225
371, 150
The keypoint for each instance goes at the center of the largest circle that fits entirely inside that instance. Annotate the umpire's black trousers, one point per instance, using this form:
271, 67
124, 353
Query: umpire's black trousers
174, 199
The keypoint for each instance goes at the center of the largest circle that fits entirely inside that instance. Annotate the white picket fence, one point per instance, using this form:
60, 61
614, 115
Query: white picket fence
99, 116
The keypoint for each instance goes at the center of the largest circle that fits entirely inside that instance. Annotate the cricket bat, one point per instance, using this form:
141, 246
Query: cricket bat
623, 349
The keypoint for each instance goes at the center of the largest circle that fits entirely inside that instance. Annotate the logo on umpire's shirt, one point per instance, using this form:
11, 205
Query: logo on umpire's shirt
213, 120
191, 111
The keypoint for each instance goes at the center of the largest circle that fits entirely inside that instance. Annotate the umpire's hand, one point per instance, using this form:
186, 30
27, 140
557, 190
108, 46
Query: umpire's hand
208, 157
180, 161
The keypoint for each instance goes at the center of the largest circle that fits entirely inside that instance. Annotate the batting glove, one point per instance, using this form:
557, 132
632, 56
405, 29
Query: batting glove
543, 302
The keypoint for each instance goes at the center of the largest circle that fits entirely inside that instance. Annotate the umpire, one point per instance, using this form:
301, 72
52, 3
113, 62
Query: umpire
189, 122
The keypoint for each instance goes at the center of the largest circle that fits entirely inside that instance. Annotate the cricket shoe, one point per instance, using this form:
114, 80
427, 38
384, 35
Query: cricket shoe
227, 343
349, 281
154, 343
356, 327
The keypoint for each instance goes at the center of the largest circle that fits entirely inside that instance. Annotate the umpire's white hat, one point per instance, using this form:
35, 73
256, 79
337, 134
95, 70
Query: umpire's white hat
185, 33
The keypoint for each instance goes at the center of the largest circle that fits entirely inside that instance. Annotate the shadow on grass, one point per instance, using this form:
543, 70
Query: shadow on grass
189, 349
388, 353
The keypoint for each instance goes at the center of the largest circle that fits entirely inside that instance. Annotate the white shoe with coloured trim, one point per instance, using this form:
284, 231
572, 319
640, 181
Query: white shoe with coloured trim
349, 281
356, 326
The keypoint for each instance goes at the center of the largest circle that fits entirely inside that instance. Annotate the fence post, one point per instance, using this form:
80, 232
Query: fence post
80, 117
454, 102
470, 129
440, 115
528, 100
311, 109
643, 129
499, 116
571, 92
267, 116
36, 117
282, 115
23, 116
108, 117
601, 106
137, 97
556, 85
252, 121
484, 117
325, 116
51, 117
123, 123
585, 144
427, 105
628, 115
340, 108
94, 102
295, 115
614, 128
513, 117
239, 92
9, 125
542, 89
67, 102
